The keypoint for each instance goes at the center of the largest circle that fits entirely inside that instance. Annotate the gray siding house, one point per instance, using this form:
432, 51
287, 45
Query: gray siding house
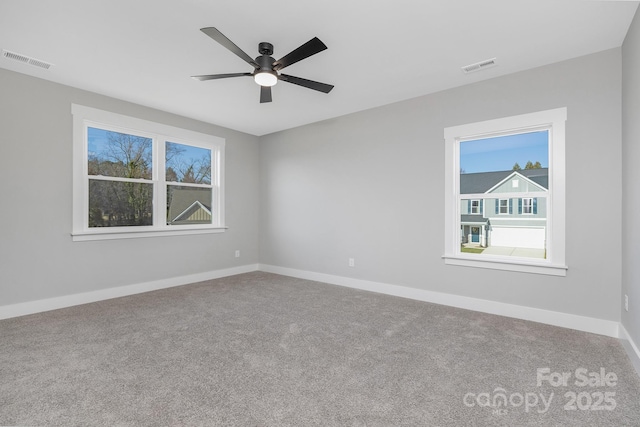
504, 220
188, 206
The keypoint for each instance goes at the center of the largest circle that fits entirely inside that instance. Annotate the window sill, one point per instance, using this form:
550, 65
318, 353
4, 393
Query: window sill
83, 236
519, 265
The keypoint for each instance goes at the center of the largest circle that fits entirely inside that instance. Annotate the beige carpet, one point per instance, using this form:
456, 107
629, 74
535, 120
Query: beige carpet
260, 349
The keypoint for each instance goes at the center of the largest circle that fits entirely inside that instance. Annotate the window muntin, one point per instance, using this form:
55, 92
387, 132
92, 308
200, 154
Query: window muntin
119, 169
546, 222
121, 184
190, 202
134, 178
494, 161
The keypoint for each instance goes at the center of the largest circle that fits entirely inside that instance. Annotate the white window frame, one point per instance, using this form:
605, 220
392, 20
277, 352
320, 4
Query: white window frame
85, 117
530, 206
551, 120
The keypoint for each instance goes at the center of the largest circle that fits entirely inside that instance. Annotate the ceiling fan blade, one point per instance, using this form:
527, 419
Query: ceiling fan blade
215, 34
265, 94
322, 87
219, 76
311, 47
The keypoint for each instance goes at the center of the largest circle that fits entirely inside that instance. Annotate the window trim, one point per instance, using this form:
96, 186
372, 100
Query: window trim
554, 120
84, 117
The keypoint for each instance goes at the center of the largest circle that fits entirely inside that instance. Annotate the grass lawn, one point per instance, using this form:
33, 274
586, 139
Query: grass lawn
471, 250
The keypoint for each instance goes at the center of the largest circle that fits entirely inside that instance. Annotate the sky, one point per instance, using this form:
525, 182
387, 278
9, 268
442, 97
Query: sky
501, 153
189, 153
98, 143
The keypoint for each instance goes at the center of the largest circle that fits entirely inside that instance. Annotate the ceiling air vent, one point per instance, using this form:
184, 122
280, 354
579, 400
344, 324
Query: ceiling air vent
26, 59
487, 63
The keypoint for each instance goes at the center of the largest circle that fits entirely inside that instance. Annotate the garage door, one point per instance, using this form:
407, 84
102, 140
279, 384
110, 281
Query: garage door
518, 237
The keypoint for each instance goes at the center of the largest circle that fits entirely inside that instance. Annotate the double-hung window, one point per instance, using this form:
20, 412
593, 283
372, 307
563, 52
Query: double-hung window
475, 206
522, 227
135, 178
503, 206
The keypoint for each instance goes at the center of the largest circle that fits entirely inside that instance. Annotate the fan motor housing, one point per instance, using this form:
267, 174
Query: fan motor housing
265, 62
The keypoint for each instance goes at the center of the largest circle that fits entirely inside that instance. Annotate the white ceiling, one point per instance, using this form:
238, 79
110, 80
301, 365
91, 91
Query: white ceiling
379, 51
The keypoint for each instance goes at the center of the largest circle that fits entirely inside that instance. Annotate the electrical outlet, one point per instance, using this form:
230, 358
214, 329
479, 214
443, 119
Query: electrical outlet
237, 253
626, 303
352, 262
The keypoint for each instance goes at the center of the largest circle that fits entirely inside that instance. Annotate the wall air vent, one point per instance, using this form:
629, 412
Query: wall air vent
487, 63
26, 59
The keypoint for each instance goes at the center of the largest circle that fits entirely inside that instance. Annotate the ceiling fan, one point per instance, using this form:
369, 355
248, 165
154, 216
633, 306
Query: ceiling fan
266, 69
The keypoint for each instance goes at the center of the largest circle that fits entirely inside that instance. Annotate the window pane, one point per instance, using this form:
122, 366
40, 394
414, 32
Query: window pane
502, 167
524, 151
120, 204
188, 205
186, 163
118, 154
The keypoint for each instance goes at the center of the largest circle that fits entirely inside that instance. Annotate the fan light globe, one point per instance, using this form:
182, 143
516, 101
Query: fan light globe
265, 79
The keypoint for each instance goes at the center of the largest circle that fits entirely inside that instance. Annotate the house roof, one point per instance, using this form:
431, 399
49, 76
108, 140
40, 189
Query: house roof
473, 219
191, 210
182, 199
481, 182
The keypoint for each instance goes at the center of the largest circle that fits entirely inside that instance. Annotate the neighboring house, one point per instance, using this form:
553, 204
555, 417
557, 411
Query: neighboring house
496, 221
189, 206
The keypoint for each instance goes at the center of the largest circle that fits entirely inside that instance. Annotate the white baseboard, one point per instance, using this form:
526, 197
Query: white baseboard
581, 323
31, 307
631, 348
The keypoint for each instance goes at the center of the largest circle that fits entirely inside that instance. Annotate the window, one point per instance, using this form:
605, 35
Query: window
475, 206
523, 223
503, 207
134, 178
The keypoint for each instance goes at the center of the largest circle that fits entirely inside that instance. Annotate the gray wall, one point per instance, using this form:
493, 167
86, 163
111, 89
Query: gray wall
367, 186
37, 257
631, 177
371, 186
